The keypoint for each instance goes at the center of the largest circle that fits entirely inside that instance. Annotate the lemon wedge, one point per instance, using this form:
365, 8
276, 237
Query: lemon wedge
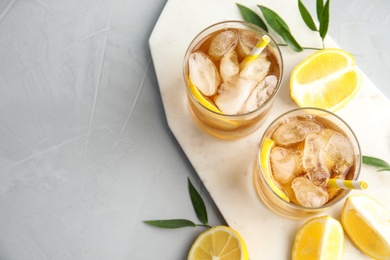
367, 224
319, 238
219, 242
265, 152
327, 79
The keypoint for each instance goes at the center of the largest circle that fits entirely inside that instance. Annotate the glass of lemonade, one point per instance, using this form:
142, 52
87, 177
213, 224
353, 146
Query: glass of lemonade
227, 98
299, 152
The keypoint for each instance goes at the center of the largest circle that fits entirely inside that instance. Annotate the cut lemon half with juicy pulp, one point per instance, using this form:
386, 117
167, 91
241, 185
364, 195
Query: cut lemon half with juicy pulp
319, 238
327, 79
220, 242
367, 224
202, 99
265, 164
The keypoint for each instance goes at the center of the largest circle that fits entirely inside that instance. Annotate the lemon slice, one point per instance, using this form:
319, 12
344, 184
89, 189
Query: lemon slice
319, 238
367, 223
268, 144
327, 79
202, 99
220, 242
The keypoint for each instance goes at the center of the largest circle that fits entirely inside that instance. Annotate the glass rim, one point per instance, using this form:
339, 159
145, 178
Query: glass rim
243, 23
357, 169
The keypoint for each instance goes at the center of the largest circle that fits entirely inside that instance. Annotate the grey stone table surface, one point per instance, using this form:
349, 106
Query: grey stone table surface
86, 154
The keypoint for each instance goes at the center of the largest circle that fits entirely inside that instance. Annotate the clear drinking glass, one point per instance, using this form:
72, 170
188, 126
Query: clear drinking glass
299, 151
232, 90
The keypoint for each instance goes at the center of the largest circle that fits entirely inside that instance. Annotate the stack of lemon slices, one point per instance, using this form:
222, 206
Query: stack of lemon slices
327, 79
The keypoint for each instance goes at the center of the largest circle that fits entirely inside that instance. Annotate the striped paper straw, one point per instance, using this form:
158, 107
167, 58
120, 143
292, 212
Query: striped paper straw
256, 50
347, 184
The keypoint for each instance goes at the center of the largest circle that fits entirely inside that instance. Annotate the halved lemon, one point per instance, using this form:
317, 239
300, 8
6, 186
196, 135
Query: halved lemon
367, 224
265, 163
327, 79
319, 238
219, 242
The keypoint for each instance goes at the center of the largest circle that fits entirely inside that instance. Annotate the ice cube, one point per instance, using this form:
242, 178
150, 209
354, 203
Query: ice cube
233, 94
339, 153
222, 42
229, 66
203, 73
294, 131
260, 94
308, 194
286, 164
247, 40
270, 83
256, 69
313, 159
252, 103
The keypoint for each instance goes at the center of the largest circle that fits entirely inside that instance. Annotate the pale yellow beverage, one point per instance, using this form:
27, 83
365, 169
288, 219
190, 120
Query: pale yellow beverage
299, 152
227, 98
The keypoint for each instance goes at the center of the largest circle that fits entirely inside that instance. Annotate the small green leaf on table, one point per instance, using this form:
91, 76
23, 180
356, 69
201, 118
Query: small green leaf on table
376, 162
280, 27
306, 16
320, 7
197, 203
324, 20
251, 17
171, 223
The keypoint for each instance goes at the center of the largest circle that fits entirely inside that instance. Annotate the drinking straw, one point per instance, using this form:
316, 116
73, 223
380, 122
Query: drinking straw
347, 184
261, 44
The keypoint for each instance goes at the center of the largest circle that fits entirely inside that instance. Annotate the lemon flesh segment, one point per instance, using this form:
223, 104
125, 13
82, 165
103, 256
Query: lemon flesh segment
328, 94
367, 224
325, 63
220, 242
328, 79
265, 152
319, 238
202, 99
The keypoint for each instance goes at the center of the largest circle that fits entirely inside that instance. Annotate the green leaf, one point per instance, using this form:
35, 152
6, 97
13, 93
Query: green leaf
375, 162
252, 17
280, 27
306, 16
289, 39
324, 20
271, 17
171, 223
198, 204
384, 169
320, 7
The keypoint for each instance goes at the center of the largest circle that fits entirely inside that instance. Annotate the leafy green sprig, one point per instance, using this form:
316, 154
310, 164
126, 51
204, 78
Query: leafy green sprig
280, 26
379, 163
200, 210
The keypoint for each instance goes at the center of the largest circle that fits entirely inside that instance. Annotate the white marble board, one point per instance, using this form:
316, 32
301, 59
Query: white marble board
225, 167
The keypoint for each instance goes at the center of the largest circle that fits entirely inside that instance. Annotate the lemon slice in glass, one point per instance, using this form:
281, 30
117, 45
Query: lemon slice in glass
265, 152
202, 99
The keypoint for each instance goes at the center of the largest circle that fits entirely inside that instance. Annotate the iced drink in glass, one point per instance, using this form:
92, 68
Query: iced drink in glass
299, 152
227, 98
